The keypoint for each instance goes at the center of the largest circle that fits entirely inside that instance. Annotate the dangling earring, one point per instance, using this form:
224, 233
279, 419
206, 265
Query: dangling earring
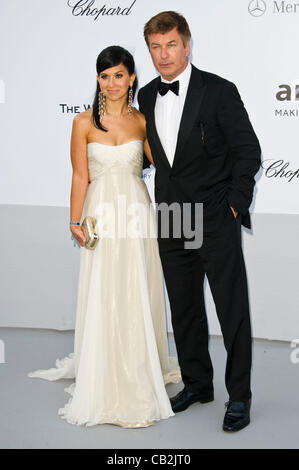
102, 105
130, 100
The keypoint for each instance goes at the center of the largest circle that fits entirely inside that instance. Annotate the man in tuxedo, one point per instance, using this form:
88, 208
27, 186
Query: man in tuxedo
205, 151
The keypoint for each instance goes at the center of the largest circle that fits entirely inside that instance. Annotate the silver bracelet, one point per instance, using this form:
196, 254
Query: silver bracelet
76, 243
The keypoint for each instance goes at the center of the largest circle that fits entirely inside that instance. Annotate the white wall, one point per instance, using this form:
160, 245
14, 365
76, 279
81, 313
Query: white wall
47, 58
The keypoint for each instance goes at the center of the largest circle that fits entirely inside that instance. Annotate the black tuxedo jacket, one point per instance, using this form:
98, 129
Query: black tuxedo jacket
217, 152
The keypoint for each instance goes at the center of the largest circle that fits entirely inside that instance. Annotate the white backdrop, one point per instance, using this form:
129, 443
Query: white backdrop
48, 59
47, 73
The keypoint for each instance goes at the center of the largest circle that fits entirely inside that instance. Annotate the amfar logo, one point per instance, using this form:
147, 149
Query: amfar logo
257, 8
288, 96
288, 92
86, 8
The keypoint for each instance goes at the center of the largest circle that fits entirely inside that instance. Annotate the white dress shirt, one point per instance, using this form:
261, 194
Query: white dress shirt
168, 113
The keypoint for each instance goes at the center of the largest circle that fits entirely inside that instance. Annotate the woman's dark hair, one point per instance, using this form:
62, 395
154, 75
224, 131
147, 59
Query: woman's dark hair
110, 57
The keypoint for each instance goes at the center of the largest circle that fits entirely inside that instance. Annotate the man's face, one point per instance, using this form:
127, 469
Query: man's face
169, 55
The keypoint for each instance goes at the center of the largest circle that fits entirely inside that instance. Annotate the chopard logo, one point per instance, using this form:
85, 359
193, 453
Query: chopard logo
280, 169
87, 8
257, 8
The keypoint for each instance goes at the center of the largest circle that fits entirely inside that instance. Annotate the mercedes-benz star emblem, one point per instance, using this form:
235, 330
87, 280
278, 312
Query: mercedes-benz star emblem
257, 8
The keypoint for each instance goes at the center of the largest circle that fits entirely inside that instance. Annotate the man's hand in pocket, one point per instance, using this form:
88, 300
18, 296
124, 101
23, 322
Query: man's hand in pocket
234, 212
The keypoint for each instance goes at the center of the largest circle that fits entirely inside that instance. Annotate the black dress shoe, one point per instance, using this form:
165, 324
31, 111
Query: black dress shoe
184, 399
237, 415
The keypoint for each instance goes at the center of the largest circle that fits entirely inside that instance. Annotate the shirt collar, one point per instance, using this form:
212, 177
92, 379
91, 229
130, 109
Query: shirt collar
183, 78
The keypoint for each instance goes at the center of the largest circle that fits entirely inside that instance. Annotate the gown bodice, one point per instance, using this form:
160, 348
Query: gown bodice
126, 157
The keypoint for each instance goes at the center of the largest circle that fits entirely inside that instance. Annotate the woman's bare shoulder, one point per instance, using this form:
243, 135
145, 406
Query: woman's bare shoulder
138, 114
83, 119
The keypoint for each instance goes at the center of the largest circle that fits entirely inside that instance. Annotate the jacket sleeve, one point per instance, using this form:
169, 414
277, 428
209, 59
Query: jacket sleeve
146, 162
243, 144
139, 99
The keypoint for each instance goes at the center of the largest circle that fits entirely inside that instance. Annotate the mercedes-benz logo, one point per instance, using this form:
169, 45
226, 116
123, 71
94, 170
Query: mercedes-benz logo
257, 8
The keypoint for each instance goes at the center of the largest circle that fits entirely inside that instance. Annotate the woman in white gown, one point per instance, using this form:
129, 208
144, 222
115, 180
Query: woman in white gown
120, 361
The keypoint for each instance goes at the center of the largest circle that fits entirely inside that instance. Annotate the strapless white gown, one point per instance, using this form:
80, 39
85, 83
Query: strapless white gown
120, 361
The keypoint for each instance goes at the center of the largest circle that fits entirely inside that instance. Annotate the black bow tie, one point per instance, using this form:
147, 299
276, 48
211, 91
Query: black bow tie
165, 87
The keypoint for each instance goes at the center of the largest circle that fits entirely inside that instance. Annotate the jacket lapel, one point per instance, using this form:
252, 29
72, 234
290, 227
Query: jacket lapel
151, 122
191, 110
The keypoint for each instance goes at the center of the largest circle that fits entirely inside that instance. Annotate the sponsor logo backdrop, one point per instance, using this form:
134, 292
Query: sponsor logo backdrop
47, 75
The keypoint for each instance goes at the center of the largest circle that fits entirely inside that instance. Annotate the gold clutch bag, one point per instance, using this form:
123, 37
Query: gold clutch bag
88, 226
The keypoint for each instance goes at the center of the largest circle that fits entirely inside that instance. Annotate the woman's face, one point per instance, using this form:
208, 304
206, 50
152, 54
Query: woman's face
115, 81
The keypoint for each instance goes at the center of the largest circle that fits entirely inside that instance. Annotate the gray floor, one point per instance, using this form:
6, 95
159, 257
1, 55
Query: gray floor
29, 418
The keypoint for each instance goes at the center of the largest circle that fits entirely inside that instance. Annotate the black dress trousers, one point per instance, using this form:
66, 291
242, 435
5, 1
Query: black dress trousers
220, 258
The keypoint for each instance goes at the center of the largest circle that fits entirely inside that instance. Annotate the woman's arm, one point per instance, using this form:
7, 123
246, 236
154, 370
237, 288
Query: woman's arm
146, 148
148, 153
80, 173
